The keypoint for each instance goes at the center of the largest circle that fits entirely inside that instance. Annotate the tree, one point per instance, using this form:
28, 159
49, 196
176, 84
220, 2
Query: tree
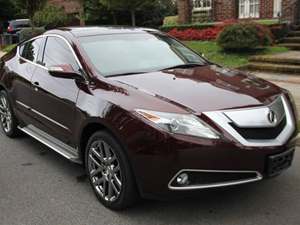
30, 6
131, 6
50, 17
7, 9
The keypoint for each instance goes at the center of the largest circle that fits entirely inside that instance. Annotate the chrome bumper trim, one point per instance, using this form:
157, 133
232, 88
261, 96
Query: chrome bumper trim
214, 185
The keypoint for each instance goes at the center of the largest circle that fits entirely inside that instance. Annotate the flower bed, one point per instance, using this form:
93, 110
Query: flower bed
211, 32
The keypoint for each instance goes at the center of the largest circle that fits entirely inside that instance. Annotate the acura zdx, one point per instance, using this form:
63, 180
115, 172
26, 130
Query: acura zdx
145, 115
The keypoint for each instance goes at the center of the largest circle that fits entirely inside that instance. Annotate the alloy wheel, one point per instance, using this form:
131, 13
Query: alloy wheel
5, 114
104, 171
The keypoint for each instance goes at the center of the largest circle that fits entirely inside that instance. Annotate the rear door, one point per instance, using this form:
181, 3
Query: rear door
54, 99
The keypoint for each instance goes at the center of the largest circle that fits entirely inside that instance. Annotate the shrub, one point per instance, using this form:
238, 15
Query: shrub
50, 17
27, 33
170, 21
244, 36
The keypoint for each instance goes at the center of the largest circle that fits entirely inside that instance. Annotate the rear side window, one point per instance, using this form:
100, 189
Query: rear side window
20, 24
57, 52
30, 50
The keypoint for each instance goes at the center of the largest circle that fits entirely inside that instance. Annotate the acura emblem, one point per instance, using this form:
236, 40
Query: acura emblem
272, 117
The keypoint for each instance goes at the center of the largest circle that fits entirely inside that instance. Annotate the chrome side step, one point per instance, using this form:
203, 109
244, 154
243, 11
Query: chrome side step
53, 143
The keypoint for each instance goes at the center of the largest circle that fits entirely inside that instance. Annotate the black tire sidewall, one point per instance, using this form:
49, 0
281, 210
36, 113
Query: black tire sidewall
129, 192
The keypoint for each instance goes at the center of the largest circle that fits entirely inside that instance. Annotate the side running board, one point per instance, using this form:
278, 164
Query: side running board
53, 143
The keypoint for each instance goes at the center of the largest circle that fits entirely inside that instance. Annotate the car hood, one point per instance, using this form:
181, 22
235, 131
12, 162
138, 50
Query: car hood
202, 89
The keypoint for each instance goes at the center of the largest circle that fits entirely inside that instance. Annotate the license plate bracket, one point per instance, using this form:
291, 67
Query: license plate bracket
279, 162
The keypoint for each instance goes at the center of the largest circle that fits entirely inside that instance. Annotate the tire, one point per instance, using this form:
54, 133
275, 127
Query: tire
109, 172
8, 121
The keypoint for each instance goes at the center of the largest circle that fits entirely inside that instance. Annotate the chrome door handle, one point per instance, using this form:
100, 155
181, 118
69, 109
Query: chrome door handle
36, 86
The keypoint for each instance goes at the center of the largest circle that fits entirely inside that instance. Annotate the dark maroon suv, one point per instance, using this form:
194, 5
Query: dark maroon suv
146, 115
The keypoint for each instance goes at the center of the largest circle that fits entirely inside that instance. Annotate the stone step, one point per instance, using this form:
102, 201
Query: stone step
294, 34
296, 27
275, 60
279, 68
293, 40
292, 46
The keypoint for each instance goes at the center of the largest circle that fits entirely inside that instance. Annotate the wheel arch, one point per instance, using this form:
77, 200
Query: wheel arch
92, 127
89, 129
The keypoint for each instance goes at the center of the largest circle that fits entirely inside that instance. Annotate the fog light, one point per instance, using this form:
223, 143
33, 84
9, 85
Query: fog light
183, 179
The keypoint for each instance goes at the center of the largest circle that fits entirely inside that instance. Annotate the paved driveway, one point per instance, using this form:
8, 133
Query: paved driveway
38, 187
289, 82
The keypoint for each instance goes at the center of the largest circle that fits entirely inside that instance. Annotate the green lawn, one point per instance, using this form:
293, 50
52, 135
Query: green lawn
215, 54
8, 48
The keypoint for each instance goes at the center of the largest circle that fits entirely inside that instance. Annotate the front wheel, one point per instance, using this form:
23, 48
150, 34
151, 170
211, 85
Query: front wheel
109, 172
7, 118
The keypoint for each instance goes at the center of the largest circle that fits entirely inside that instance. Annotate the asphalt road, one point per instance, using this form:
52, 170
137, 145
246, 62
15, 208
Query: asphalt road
39, 187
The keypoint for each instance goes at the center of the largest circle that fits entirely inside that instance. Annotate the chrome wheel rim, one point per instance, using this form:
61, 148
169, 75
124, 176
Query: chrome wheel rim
104, 171
5, 114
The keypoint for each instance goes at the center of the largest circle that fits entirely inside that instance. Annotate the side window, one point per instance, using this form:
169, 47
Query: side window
57, 52
30, 50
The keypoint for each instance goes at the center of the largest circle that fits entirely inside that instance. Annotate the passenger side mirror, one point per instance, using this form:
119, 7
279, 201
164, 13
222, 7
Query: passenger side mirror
64, 71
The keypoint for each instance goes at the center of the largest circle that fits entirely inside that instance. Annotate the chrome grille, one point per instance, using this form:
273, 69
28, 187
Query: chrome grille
270, 125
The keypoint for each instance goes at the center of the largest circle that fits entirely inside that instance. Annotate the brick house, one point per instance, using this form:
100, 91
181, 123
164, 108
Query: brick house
71, 7
218, 10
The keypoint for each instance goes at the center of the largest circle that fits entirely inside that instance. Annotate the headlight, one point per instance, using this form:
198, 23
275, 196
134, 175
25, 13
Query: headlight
179, 123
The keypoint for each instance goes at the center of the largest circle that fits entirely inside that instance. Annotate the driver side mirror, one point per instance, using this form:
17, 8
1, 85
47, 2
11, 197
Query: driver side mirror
65, 71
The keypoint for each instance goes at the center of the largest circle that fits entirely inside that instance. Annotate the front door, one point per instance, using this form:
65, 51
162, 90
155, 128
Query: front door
249, 9
277, 8
55, 98
27, 64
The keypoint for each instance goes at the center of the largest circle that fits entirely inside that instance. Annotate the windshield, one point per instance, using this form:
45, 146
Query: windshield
136, 53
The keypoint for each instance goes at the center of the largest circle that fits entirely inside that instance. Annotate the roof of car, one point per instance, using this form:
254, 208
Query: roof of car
103, 30
20, 20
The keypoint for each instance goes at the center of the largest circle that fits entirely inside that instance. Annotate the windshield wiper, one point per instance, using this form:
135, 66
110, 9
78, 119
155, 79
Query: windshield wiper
125, 74
183, 66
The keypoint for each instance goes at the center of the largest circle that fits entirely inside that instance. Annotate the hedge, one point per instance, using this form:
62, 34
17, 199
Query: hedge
197, 26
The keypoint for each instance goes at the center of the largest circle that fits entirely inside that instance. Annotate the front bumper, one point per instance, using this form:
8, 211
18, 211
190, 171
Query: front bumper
158, 164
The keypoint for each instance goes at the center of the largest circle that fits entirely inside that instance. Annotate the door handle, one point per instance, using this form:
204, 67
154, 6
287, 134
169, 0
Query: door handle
36, 86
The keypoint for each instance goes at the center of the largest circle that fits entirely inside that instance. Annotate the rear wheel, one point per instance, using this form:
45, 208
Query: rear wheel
7, 118
109, 172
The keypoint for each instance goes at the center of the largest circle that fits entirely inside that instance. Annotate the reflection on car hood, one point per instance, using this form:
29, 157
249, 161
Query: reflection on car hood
207, 88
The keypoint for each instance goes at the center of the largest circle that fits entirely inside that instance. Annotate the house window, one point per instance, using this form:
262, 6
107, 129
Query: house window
249, 8
277, 8
202, 5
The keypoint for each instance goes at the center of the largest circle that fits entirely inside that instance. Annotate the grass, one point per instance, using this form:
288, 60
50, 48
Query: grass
215, 54
8, 48
268, 21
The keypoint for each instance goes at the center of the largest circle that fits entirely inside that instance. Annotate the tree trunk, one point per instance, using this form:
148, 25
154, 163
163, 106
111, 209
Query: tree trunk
133, 22
81, 18
114, 18
184, 11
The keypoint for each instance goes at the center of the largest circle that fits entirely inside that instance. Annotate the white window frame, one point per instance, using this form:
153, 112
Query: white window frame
202, 5
277, 8
249, 9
